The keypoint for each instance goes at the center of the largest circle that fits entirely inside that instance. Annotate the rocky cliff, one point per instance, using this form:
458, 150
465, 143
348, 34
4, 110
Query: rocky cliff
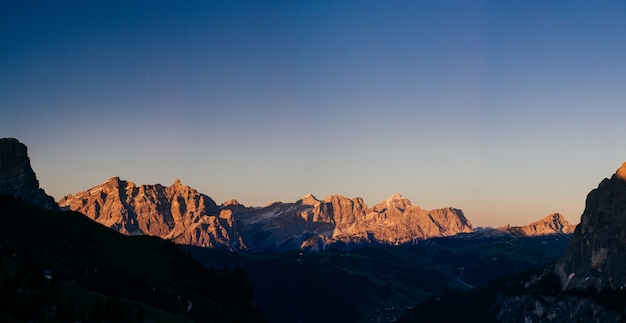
176, 212
587, 284
180, 213
596, 254
17, 178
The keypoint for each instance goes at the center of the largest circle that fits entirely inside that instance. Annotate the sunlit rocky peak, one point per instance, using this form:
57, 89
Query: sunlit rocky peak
309, 199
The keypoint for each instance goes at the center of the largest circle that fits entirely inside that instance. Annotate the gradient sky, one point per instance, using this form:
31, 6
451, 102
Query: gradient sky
509, 110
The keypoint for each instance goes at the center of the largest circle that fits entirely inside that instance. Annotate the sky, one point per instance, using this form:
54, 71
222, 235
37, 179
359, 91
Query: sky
508, 110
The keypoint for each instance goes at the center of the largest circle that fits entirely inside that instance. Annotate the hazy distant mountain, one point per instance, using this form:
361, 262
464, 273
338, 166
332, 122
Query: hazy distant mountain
17, 178
586, 285
554, 223
186, 216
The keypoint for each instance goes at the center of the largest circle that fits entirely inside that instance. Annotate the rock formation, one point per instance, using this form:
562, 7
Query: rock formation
177, 212
17, 178
596, 254
338, 221
587, 283
182, 214
554, 223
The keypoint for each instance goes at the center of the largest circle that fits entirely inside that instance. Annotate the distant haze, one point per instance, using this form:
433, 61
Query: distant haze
508, 110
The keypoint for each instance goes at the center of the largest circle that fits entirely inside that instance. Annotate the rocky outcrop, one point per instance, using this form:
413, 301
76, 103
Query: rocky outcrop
596, 254
587, 283
17, 178
185, 216
176, 212
554, 223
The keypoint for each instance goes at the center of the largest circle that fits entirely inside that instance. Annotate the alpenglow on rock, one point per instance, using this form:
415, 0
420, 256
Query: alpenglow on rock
185, 216
177, 212
17, 177
554, 223
596, 254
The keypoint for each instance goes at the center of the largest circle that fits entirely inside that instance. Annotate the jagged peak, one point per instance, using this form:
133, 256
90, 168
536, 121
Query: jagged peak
109, 185
309, 199
177, 183
178, 186
114, 179
398, 200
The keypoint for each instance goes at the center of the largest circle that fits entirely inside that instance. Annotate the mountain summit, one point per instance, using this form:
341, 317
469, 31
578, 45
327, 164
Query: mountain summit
17, 177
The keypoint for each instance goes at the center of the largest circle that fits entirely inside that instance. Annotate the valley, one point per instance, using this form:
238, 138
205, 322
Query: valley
378, 283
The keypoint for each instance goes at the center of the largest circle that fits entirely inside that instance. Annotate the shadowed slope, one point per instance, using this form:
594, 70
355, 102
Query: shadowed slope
92, 265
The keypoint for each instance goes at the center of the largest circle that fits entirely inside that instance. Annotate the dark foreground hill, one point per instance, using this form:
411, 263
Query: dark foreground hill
63, 267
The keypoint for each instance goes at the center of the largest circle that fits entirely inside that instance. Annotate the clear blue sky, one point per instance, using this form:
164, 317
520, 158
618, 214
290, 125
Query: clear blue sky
508, 110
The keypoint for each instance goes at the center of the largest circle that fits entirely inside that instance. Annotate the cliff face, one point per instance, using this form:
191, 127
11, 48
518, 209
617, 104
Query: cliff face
596, 254
587, 283
177, 212
182, 214
17, 178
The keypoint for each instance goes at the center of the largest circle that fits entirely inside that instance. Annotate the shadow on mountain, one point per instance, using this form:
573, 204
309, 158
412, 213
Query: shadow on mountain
63, 267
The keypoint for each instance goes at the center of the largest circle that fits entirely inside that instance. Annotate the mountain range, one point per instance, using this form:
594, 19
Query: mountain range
186, 216
453, 254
